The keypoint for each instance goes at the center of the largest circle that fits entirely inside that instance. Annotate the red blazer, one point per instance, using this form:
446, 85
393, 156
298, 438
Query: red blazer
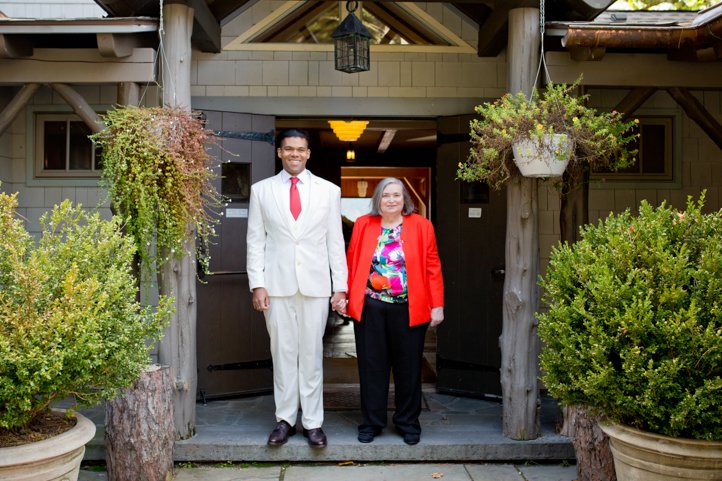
423, 268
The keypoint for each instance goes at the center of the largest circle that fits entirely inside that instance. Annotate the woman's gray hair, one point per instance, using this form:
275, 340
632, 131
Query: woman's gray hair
376, 199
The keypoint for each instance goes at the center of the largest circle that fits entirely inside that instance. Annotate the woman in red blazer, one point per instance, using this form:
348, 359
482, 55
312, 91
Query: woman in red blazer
395, 292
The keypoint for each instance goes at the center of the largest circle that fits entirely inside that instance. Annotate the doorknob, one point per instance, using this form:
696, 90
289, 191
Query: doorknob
499, 271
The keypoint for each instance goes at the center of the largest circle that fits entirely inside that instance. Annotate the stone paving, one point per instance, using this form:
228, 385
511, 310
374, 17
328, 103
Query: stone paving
371, 472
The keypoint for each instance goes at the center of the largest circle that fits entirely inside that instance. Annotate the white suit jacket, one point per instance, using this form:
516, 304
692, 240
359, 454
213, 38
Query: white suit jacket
286, 256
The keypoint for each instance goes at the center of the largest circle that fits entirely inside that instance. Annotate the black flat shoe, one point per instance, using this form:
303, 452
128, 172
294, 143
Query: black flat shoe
411, 439
368, 436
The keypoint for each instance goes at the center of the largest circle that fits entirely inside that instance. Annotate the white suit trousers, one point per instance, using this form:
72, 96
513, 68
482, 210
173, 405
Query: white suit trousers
296, 325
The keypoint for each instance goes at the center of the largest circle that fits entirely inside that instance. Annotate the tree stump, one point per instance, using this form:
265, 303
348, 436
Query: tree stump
591, 445
139, 430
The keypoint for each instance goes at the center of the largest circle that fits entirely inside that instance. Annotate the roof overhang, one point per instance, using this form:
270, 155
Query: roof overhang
683, 36
112, 37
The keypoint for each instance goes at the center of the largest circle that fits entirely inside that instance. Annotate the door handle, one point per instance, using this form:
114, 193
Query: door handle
499, 271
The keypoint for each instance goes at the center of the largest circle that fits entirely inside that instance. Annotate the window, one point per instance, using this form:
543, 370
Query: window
62, 147
655, 153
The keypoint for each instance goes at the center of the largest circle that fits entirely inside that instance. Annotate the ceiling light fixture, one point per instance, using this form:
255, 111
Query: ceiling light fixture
348, 131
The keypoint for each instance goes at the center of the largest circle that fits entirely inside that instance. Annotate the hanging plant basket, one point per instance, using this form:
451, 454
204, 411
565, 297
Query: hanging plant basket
545, 156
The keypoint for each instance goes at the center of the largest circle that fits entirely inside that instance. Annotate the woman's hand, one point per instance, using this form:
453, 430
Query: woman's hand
437, 316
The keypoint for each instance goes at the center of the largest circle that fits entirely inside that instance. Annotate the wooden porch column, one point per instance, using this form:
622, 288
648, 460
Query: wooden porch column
129, 93
177, 349
519, 341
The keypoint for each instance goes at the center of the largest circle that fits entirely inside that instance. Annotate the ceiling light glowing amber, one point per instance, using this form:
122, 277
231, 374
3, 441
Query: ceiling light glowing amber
348, 131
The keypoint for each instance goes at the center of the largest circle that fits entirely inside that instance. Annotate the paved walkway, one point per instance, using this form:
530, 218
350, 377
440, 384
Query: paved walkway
370, 472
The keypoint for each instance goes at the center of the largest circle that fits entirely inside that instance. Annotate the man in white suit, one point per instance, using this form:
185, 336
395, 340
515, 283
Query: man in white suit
296, 261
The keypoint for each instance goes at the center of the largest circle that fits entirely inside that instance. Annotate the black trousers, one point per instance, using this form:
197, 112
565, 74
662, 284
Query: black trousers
386, 343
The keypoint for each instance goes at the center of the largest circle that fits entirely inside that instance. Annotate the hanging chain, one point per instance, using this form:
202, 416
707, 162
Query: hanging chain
542, 60
351, 6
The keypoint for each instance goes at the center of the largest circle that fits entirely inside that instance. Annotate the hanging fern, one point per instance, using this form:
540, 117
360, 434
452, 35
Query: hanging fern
156, 169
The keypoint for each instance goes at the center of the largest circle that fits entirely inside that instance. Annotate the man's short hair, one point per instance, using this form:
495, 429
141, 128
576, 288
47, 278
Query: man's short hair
284, 134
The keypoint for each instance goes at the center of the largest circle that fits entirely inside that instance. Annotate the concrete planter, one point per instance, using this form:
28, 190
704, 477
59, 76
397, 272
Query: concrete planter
642, 456
544, 158
54, 459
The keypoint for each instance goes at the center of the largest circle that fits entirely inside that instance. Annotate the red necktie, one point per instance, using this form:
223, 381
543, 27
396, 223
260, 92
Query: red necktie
295, 198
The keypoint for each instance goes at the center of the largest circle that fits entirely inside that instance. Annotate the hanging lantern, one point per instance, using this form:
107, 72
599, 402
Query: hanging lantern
351, 43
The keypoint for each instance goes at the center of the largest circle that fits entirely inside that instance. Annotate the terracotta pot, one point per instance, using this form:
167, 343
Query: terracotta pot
545, 157
642, 456
54, 459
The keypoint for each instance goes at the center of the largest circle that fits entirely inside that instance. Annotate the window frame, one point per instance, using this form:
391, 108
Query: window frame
41, 118
673, 157
32, 141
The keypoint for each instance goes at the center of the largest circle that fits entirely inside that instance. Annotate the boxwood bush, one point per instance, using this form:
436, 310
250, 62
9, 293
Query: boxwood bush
634, 321
70, 325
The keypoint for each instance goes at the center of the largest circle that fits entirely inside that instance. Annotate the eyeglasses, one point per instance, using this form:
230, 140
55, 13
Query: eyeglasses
289, 150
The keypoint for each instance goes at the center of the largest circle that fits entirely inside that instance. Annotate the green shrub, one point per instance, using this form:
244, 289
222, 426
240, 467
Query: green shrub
634, 326
69, 321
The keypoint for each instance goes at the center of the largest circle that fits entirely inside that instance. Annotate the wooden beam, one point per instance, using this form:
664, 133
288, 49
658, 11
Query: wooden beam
11, 46
79, 66
493, 33
206, 28
128, 93
16, 105
696, 111
80, 106
634, 99
115, 45
635, 70
584, 54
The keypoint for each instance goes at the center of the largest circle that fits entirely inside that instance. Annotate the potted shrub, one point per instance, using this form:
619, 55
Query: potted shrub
71, 329
555, 124
633, 329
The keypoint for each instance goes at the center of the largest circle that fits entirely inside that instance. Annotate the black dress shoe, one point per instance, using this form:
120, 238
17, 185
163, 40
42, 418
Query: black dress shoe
280, 433
368, 435
316, 437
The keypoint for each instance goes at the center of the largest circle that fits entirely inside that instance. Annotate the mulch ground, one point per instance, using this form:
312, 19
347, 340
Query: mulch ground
43, 426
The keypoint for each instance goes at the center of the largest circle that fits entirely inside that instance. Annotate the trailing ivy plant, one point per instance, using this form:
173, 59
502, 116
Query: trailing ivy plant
634, 321
70, 325
156, 168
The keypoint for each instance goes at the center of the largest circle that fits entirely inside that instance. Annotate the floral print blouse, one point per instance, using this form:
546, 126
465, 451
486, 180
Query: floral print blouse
387, 279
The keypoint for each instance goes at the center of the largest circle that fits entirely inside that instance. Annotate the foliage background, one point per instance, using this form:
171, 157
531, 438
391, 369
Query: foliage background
662, 4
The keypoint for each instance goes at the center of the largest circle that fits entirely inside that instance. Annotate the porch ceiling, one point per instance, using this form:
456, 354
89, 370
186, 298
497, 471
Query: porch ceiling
490, 15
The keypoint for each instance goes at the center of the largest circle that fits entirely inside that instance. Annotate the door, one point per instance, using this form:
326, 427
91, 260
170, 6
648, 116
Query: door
232, 342
471, 233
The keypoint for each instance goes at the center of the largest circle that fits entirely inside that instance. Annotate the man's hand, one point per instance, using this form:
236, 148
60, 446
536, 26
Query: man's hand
339, 302
260, 300
437, 316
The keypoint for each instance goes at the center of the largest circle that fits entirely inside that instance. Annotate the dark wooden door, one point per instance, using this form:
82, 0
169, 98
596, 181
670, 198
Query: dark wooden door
233, 347
471, 232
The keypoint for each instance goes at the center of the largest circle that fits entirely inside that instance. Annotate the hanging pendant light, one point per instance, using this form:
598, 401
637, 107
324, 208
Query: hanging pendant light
351, 43
350, 153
